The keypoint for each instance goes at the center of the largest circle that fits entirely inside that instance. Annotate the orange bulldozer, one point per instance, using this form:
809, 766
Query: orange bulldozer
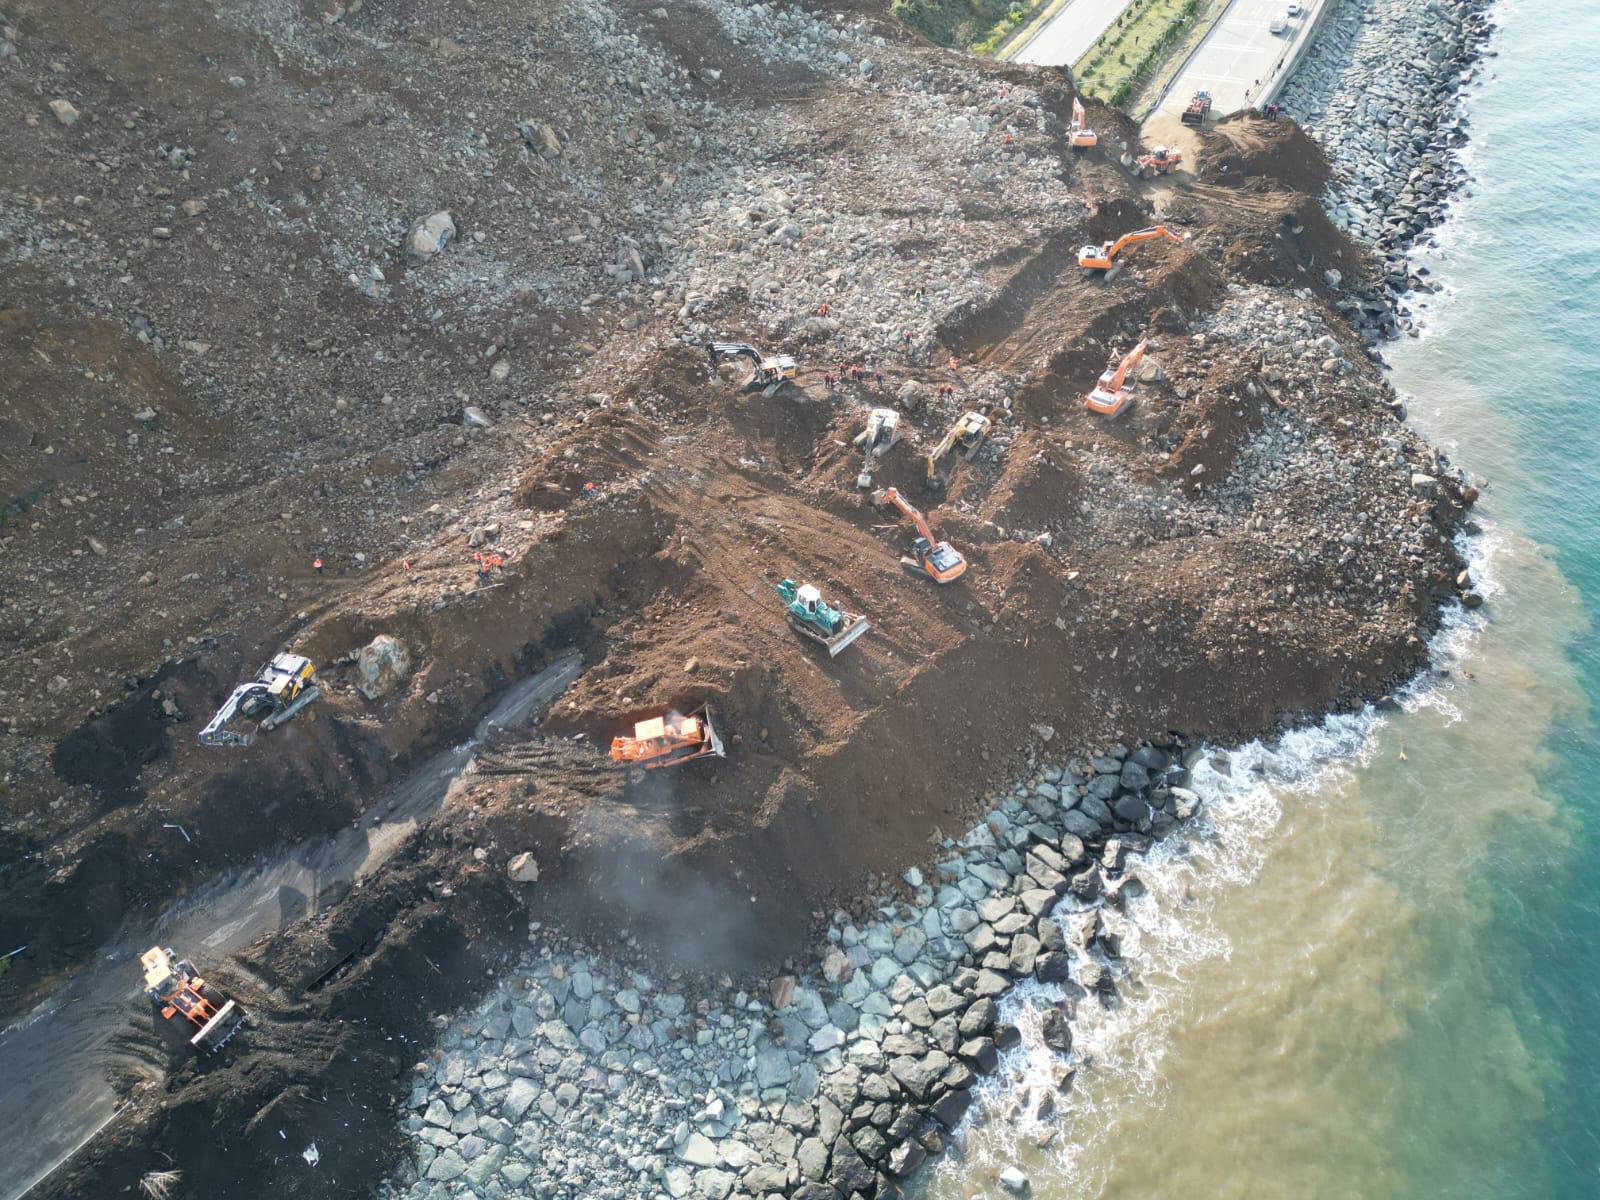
669, 740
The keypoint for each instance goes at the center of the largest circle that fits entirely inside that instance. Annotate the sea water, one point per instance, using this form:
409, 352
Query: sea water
1372, 971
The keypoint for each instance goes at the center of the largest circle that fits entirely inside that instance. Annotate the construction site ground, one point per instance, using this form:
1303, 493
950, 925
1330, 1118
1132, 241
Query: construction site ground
222, 363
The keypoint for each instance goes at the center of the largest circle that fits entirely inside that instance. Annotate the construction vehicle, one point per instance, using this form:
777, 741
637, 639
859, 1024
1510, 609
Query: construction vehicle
1159, 161
282, 688
881, 433
1103, 256
669, 740
939, 561
175, 985
814, 618
1109, 397
1198, 108
772, 371
968, 434
1080, 137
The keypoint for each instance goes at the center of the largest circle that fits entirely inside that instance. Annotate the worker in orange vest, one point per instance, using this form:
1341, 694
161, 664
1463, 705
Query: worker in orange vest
316, 565
822, 309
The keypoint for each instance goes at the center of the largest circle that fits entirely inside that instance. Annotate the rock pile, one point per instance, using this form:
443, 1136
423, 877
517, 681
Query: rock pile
1380, 91
583, 1077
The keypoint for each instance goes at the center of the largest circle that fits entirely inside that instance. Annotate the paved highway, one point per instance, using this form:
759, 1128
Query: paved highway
1067, 35
1239, 56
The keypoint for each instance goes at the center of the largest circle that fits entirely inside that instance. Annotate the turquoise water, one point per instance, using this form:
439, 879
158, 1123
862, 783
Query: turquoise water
1520, 332
1374, 973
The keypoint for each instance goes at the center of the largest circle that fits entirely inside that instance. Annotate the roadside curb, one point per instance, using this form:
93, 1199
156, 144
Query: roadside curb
1018, 41
1307, 38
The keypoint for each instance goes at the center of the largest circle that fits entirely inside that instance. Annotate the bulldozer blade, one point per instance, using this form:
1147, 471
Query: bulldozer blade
219, 1029
770, 388
855, 629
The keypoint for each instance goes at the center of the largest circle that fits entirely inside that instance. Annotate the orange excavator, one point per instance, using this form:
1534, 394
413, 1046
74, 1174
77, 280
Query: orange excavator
1159, 161
939, 561
1101, 257
173, 983
1080, 137
1109, 397
669, 740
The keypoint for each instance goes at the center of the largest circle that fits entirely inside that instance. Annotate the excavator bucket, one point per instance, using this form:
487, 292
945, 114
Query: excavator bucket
219, 1028
669, 740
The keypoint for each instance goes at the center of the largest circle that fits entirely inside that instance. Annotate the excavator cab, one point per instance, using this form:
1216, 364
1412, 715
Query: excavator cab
769, 371
1111, 396
1080, 138
1104, 256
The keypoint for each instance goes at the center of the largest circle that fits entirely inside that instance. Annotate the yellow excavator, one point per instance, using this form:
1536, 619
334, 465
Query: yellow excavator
967, 434
771, 372
1080, 137
282, 688
1101, 257
1109, 397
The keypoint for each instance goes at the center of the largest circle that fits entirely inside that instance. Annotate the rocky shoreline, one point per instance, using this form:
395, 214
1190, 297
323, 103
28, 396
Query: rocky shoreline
1380, 90
581, 1077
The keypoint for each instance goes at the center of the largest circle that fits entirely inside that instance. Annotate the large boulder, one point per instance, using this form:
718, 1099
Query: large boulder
523, 868
382, 665
430, 235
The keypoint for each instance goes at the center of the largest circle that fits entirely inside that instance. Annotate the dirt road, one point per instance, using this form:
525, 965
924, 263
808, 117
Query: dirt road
56, 1061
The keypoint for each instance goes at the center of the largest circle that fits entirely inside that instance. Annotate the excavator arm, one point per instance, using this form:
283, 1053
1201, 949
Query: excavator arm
1129, 364
1145, 235
214, 734
717, 351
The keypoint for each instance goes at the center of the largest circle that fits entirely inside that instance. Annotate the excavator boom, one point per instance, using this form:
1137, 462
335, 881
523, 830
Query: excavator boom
1110, 396
1102, 257
939, 561
1080, 137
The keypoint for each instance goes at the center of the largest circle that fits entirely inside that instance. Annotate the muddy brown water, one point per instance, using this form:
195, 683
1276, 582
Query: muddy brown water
56, 1060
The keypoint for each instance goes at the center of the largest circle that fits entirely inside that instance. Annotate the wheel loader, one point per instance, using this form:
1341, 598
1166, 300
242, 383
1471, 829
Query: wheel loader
280, 689
812, 617
175, 985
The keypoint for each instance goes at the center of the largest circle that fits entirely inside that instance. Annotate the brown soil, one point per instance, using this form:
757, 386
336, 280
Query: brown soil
1114, 593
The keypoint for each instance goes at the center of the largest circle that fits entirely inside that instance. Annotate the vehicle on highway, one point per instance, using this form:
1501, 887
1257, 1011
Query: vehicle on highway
1294, 10
1279, 26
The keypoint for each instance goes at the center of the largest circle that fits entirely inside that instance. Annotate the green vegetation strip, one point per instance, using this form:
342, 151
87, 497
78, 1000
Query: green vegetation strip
981, 26
1136, 41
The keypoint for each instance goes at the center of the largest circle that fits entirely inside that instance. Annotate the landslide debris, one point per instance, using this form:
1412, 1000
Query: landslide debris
225, 358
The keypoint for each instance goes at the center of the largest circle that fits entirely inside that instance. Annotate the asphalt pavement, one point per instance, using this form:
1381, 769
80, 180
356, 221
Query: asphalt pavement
1065, 38
1239, 56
